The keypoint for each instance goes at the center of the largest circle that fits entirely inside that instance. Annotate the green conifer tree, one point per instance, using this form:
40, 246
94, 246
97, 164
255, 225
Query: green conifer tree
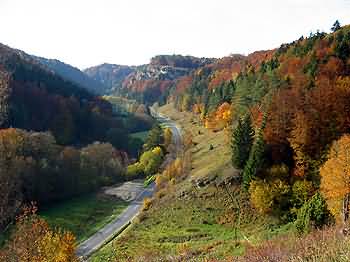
336, 26
256, 157
241, 142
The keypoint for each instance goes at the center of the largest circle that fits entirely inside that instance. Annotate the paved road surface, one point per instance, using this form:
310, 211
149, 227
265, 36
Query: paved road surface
105, 234
97, 240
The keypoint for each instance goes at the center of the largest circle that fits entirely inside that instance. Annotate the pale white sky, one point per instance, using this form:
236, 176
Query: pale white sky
89, 32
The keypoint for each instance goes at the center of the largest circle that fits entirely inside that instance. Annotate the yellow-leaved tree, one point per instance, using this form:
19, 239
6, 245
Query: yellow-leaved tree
335, 179
168, 135
34, 241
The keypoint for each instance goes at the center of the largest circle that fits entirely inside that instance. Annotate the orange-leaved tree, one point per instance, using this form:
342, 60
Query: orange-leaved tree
34, 241
335, 179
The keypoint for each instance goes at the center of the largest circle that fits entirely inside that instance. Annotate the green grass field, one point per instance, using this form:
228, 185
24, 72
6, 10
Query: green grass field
83, 215
201, 225
141, 135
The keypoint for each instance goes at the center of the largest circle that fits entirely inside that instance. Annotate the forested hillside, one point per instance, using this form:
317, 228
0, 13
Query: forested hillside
285, 108
111, 76
57, 140
36, 99
286, 114
296, 98
146, 83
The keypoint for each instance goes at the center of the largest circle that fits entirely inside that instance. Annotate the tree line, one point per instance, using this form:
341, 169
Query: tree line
33, 167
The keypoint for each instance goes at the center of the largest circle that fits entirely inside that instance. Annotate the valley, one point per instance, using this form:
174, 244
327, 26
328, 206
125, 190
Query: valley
138, 194
183, 158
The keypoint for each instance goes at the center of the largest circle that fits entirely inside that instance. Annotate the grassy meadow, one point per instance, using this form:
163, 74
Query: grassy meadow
85, 215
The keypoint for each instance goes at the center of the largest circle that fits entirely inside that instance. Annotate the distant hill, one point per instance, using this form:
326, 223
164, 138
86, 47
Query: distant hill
73, 74
110, 75
34, 98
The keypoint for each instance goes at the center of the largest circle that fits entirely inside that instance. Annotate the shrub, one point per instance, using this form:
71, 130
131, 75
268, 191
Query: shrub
301, 192
278, 171
261, 196
151, 160
147, 203
313, 213
267, 196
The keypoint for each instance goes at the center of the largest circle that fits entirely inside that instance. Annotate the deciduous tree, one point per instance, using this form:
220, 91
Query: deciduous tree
34, 241
335, 179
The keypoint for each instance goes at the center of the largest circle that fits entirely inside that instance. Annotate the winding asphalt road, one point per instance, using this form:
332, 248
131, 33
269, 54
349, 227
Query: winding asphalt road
112, 229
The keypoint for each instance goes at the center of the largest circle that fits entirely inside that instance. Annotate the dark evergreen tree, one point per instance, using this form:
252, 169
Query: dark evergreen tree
214, 99
256, 157
228, 91
241, 141
336, 26
254, 162
342, 48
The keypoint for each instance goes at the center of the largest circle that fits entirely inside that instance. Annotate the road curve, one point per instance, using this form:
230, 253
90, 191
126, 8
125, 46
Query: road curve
105, 234
101, 237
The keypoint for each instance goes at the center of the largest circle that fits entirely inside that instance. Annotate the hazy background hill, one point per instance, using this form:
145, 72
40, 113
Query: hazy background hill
73, 74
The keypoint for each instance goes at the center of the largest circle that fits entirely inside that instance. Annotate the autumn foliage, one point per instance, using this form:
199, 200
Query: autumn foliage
33, 167
335, 178
34, 241
221, 118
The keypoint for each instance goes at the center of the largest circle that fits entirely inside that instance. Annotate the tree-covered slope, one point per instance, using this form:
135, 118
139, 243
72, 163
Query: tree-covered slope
294, 179
146, 83
35, 98
297, 97
110, 75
